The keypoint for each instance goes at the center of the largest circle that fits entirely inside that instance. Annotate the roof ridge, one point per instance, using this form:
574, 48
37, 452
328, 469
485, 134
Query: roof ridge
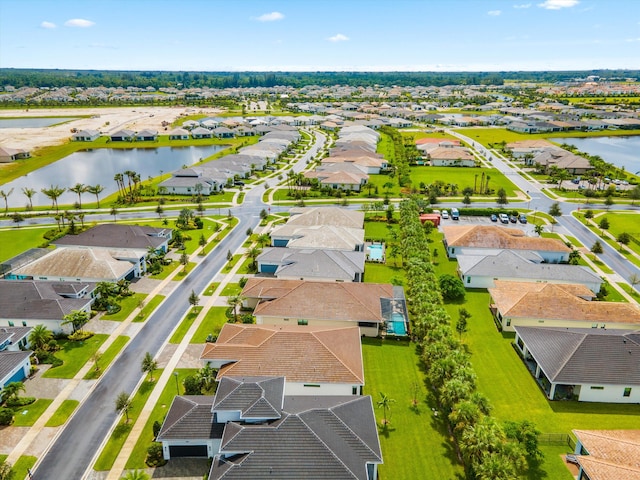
572, 353
334, 354
350, 429
193, 406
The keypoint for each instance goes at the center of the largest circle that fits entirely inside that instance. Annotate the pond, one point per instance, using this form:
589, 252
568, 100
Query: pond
99, 166
29, 122
620, 151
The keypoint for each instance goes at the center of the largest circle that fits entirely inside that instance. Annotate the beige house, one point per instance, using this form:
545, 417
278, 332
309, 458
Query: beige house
608, 454
8, 155
557, 305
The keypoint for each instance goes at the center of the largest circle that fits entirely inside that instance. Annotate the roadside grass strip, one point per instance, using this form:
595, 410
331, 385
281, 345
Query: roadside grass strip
106, 358
75, 355
62, 414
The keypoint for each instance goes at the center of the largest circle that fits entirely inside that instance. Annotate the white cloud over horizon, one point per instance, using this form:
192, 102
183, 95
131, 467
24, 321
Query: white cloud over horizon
46, 24
494, 13
523, 5
270, 17
558, 4
79, 22
338, 38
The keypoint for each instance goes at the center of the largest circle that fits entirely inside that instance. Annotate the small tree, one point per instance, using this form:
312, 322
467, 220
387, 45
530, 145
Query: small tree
149, 365
467, 200
114, 213
202, 241
77, 319
597, 247
555, 210
234, 301
461, 324
123, 404
229, 256
40, 336
263, 214
184, 260
608, 201
451, 287
604, 225
6, 472
623, 239
588, 214
194, 299
502, 197
17, 218
385, 403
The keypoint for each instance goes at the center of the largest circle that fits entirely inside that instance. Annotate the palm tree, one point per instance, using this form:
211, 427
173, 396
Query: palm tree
95, 190
29, 193
149, 365
207, 378
53, 193
384, 403
119, 179
4, 195
135, 475
234, 301
39, 337
264, 239
114, 212
123, 404
253, 254
79, 189
77, 319
11, 391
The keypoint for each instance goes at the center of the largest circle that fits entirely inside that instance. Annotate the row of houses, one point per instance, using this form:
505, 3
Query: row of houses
574, 346
543, 154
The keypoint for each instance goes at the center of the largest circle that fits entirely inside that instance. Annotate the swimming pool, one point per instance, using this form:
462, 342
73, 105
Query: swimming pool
375, 252
397, 325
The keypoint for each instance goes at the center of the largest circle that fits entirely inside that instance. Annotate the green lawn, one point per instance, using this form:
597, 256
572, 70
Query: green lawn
107, 357
463, 177
185, 325
381, 273
26, 416
148, 308
74, 355
229, 265
63, 412
119, 435
166, 270
213, 321
415, 444
128, 305
379, 230
630, 290
22, 466
231, 289
15, 241
624, 222
210, 289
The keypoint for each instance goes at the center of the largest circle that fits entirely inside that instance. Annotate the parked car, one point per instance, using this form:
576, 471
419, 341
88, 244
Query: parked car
445, 214
494, 217
238, 183
504, 218
513, 219
576, 181
522, 218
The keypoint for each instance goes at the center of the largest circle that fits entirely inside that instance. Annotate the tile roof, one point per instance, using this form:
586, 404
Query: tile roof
344, 301
335, 216
254, 397
309, 263
10, 360
329, 442
117, 236
530, 144
585, 355
613, 454
558, 302
37, 300
481, 236
446, 153
320, 236
13, 335
332, 355
190, 417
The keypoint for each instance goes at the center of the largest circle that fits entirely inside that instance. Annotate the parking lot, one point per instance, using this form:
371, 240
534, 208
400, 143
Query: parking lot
528, 228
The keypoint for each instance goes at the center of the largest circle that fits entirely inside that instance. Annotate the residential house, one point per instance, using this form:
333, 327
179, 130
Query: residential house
201, 132
308, 264
340, 177
123, 136
147, 135
85, 136
332, 356
336, 216
8, 155
327, 237
556, 157
31, 303
557, 305
179, 134
335, 304
15, 359
478, 239
451, 157
587, 364
608, 454
528, 148
223, 132
481, 271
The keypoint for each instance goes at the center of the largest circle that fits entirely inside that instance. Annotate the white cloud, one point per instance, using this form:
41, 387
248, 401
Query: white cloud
558, 4
522, 5
338, 38
270, 17
46, 24
630, 40
494, 13
79, 22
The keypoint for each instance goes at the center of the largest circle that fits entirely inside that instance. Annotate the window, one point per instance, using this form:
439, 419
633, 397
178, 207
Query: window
354, 390
596, 388
468, 279
11, 323
303, 322
312, 385
508, 322
627, 392
24, 323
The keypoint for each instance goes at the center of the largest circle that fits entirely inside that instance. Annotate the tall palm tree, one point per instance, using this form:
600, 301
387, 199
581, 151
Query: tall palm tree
79, 189
149, 365
119, 179
95, 190
39, 337
385, 403
123, 404
29, 193
4, 195
53, 193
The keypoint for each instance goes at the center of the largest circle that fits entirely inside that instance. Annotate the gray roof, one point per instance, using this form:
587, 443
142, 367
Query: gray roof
123, 133
585, 355
318, 437
38, 300
13, 334
310, 263
117, 236
508, 264
10, 360
254, 397
190, 417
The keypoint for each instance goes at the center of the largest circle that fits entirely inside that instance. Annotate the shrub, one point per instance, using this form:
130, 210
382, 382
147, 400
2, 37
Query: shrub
6, 416
154, 455
451, 287
20, 402
80, 335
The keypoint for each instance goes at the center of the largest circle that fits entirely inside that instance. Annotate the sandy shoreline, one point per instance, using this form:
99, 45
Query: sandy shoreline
105, 120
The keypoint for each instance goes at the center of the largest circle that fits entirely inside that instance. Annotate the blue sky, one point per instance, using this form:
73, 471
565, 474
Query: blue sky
306, 35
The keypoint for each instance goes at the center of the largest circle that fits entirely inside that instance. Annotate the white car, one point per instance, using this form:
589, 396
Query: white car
445, 214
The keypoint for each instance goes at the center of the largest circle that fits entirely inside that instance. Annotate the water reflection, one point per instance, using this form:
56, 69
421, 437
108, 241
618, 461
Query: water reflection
99, 166
620, 151
33, 122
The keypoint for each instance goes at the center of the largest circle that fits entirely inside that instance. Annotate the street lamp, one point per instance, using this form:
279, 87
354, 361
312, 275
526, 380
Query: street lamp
175, 375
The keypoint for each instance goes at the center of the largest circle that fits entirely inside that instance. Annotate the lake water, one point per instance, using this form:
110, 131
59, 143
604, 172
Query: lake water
32, 122
620, 151
98, 167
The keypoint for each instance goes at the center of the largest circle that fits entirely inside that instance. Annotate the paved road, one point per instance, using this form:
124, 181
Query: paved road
70, 455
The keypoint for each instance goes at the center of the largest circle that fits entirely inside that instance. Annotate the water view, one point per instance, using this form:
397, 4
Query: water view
99, 166
620, 151
27, 122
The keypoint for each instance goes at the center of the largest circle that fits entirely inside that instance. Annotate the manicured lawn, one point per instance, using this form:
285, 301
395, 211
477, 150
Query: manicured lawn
210, 289
594, 258
74, 355
148, 308
63, 412
229, 265
136, 460
624, 222
213, 321
381, 273
246, 267
166, 270
231, 289
22, 466
379, 230
612, 294
630, 290
15, 241
185, 325
128, 305
415, 444
119, 435
26, 416
463, 177
107, 357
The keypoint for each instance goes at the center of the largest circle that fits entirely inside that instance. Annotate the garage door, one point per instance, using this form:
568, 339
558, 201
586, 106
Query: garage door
188, 451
